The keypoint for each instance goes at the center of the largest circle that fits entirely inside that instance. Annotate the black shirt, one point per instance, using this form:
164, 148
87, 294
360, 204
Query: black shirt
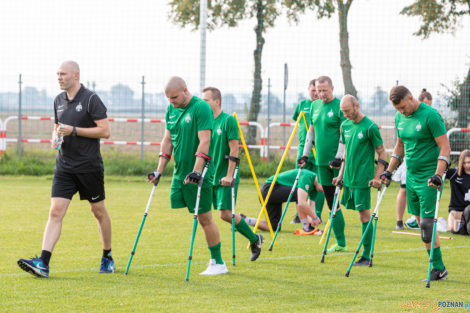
79, 154
459, 190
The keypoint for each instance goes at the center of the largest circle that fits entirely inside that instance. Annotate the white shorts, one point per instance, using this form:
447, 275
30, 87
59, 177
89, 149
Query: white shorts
400, 174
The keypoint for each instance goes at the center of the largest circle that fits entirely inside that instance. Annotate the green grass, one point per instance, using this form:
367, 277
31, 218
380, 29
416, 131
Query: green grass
288, 279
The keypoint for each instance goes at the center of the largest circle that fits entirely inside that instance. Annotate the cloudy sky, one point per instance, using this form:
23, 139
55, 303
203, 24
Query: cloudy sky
119, 41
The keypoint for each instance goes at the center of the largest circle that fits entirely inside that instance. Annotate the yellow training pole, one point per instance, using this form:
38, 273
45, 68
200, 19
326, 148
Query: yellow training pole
277, 172
253, 173
306, 126
323, 236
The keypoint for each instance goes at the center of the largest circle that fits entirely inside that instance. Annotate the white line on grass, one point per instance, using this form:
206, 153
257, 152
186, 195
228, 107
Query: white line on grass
268, 258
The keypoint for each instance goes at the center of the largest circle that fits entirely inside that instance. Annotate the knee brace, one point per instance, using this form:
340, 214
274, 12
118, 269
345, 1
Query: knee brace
427, 224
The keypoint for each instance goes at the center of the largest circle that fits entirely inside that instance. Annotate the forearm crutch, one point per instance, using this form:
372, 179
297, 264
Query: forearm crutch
431, 253
285, 209
332, 216
234, 178
373, 218
196, 209
140, 229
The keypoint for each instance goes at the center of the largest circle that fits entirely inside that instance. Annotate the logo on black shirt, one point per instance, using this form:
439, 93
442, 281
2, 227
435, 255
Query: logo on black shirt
79, 107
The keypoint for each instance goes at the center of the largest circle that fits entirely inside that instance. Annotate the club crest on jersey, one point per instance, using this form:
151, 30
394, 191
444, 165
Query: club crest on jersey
79, 107
187, 118
307, 187
219, 131
360, 135
418, 127
330, 114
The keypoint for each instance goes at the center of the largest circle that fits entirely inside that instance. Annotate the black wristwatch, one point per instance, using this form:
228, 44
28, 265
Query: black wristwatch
74, 131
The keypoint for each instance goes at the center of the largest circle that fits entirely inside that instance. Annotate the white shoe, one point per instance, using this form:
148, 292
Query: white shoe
215, 269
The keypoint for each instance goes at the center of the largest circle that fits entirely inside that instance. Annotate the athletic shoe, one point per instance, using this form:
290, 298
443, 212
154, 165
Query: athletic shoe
399, 225
256, 248
34, 266
438, 275
337, 248
215, 269
361, 262
107, 265
311, 231
296, 220
411, 223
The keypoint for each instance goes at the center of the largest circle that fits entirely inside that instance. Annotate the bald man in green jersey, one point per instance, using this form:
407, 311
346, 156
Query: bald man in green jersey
189, 122
362, 140
326, 118
305, 106
224, 142
422, 140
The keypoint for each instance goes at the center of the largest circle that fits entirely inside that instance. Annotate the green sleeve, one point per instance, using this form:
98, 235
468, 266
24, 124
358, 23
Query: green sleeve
436, 125
232, 128
296, 112
204, 116
374, 135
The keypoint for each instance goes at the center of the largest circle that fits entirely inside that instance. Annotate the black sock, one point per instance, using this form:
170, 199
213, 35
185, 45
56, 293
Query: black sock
400, 223
46, 256
107, 254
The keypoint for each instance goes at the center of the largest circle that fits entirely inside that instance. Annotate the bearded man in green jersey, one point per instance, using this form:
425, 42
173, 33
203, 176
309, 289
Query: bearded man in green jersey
189, 122
305, 106
423, 141
362, 140
326, 118
224, 142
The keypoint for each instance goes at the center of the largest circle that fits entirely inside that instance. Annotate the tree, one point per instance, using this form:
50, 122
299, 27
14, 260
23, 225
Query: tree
229, 13
325, 8
443, 16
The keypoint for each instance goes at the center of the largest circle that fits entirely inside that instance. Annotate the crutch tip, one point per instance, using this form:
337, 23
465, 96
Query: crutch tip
347, 274
428, 285
270, 248
322, 260
187, 279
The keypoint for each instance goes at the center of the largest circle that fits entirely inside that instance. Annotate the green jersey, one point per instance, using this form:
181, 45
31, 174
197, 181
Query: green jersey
305, 106
224, 129
306, 181
360, 140
326, 120
184, 125
417, 132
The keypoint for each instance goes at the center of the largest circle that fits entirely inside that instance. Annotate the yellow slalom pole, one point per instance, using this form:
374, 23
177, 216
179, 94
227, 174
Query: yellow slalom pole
306, 126
277, 172
323, 236
253, 173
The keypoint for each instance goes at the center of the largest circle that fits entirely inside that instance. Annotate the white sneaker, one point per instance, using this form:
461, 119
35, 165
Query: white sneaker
215, 269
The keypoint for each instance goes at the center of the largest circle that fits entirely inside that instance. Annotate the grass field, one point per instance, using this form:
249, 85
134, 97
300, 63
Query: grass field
288, 279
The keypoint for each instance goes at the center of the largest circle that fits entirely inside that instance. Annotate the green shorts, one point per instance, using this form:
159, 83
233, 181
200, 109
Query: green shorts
420, 198
357, 199
325, 175
311, 160
184, 196
222, 197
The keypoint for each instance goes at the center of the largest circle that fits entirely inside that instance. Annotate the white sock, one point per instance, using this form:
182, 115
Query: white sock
305, 223
250, 221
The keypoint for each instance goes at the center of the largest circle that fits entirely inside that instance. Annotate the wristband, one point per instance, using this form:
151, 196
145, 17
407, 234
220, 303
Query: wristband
74, 131
164, 155
203, 155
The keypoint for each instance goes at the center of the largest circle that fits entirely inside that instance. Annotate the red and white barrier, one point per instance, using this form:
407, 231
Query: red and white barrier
4, 139
456, 130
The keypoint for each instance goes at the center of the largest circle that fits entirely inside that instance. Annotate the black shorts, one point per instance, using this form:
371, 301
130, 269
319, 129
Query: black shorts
90, 186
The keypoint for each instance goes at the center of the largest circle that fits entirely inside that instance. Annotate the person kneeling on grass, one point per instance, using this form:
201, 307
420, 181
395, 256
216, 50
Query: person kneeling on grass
459, 206
305, 193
